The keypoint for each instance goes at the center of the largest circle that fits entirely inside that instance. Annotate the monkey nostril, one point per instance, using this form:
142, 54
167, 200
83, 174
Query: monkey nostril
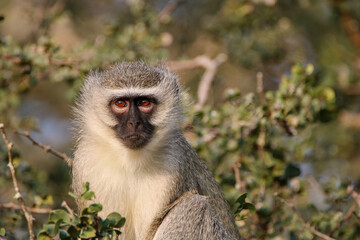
134, 124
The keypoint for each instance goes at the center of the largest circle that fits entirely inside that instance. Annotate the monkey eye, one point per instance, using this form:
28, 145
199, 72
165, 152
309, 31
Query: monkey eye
144, 102
120, 103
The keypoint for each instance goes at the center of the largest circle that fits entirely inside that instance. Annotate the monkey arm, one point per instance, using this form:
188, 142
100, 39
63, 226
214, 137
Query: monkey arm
192, 218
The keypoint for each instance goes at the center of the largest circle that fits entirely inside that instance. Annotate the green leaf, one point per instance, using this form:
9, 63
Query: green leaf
291, 171
249, 206
86, 187
53, 228
64, 235
85, 193
73, 195
76, 220
87, 233
84, 220
95, 207
2, 231
74, 232
88, 195
121, 223
59, 214
242, 198
114, 218
43, 235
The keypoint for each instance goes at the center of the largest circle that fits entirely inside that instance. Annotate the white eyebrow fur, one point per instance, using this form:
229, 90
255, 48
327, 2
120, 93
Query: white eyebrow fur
132, 91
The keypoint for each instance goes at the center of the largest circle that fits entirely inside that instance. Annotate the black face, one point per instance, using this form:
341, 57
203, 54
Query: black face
133, 114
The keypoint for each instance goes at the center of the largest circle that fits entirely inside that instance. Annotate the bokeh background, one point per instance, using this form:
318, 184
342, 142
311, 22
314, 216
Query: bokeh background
282, 115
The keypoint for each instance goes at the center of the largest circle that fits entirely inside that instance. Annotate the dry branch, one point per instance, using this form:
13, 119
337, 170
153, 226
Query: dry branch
347, 216
14, 206
260, 86
210, 66
355, 196
239, 185
48, 149
18, 195
304, 223
66, 206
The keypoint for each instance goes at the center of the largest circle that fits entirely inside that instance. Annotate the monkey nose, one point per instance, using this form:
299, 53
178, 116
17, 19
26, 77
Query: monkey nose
133, 124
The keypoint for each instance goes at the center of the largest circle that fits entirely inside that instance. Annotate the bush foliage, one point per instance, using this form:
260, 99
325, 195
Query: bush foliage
275, 130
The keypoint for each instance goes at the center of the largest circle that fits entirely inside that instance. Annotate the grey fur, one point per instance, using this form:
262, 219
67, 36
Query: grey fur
132, 74
206, 214
177, 195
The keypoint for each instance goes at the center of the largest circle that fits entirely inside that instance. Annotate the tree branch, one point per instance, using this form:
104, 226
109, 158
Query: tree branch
355, 196
46, 149
66, 206
14, 206
348, 214
18, 195
304, 223
207, 78
260, 86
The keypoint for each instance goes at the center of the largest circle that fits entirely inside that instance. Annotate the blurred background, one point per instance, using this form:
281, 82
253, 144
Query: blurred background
281, 119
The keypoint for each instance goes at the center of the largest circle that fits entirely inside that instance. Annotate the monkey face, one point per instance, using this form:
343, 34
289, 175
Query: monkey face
133, 116
131, 104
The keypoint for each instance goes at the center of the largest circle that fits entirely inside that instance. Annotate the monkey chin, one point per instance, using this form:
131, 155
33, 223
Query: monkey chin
134, 141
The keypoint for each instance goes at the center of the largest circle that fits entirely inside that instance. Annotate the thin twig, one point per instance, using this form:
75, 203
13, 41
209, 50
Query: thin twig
348, 214
304, 223
260, 86
210, 65
18, 195
66, 206
63, 156
355, 196
14, 206
238, 182
291, 131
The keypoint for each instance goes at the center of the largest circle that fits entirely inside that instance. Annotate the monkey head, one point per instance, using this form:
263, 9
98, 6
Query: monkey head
131, 102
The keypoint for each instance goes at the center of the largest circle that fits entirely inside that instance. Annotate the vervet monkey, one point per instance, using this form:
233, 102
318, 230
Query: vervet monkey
130, 150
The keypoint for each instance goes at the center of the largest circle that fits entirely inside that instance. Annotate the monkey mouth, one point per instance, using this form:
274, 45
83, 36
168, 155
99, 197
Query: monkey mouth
134, 141
133, 137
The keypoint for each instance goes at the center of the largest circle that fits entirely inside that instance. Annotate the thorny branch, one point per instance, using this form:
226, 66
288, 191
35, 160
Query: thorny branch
18, 195
304, 223
210, 65
14, 206
63, 156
